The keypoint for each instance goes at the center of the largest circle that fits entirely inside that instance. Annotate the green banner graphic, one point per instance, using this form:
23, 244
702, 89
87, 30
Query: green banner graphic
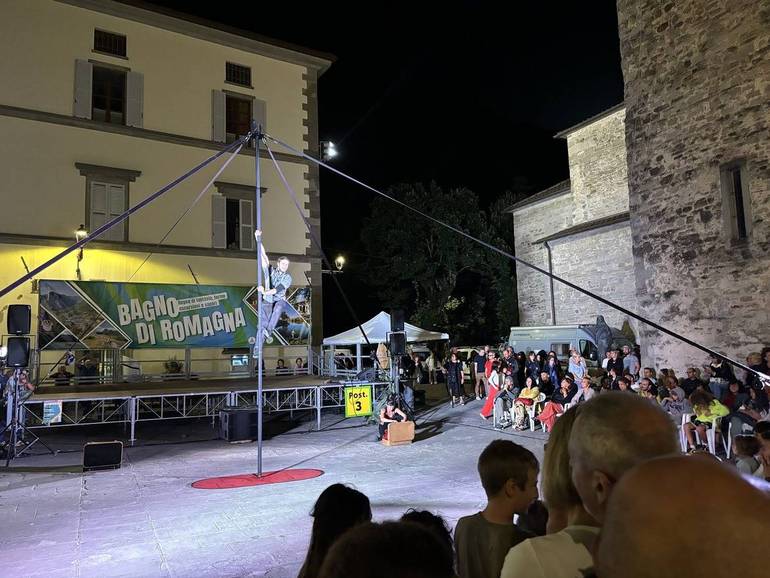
100, 315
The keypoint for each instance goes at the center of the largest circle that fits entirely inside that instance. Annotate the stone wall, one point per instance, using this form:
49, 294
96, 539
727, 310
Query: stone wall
599, 259
529, 224
601, 262
697, 96
597, 167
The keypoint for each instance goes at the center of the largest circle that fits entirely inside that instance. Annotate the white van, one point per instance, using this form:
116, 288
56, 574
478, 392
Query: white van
562, 338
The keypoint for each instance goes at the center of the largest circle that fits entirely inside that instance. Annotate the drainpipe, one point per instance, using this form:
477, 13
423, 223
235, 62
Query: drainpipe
550, 282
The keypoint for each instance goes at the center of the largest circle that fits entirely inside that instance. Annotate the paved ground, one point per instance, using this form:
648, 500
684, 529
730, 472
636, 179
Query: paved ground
145, 520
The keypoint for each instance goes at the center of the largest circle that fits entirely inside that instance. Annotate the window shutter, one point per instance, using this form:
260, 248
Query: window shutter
116, 195
218, 221
83, 84
99, 208
247, 225
218, 116
134, 99
260, 113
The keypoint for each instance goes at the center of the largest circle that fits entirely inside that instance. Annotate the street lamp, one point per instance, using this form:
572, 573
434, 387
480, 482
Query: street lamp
80, 234
339, 262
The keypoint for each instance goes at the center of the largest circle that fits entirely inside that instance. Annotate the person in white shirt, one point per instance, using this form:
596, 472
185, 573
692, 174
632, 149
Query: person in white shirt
565, 551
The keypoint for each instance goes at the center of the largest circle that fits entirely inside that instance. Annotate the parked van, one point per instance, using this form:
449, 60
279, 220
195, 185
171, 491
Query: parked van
562, 338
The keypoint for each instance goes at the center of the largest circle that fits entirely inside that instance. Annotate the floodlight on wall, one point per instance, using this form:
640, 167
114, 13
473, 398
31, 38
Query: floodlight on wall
80, 234
328, 150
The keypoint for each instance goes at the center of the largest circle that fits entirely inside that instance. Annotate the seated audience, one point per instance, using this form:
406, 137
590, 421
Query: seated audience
585, 392
504, 402
755, 409
555, 407
388, 550
612, 433
707, 410
720, 522
508, 475
674, 403
527, 397
691, 382
734, 396
746, 447
566, 550
545, 385
337, 509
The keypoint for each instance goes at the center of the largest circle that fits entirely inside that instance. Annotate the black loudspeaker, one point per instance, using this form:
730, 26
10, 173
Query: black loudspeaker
102, 455
238, 424
397, 320
397, 344
19, 317
18, 352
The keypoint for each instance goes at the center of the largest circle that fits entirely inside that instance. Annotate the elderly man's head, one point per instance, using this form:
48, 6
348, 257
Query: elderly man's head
713, 496
614, 432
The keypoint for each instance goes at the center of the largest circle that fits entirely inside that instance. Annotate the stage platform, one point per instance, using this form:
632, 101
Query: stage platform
134, 403
180, 386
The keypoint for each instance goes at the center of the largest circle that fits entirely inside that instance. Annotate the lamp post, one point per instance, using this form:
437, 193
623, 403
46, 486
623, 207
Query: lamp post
80, 234
328, 150
339, 264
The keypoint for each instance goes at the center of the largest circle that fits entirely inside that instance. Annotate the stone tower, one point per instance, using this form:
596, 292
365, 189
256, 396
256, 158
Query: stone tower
697, 98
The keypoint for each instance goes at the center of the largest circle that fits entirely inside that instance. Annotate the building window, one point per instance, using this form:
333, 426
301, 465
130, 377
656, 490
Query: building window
237, 74
233, 214
107, 194
237, 116
109, 43
108, 100
736, 201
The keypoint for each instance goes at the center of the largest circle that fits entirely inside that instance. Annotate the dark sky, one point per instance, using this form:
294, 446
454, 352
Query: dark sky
463, 93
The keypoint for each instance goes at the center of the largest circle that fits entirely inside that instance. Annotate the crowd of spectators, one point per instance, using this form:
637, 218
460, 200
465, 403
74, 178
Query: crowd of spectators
609, 480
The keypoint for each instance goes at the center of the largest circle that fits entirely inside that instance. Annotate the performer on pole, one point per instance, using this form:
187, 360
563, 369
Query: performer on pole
277, 281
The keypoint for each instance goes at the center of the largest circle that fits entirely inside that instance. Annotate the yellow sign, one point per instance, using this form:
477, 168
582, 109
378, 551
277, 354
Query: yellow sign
358, 401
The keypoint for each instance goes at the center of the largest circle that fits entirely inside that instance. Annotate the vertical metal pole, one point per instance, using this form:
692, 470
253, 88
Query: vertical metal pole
318, 401
260, 324
132, 414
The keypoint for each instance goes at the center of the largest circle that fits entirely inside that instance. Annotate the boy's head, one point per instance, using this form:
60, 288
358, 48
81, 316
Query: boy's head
761, 428
746, 445
508, 470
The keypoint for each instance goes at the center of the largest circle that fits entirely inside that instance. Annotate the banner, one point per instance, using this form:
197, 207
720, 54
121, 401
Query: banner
102, 315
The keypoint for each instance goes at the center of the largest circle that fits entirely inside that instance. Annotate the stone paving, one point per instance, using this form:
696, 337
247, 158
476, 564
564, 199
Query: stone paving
145, 519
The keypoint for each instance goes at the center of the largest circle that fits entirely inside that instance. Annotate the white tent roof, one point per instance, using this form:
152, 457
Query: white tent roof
377, 329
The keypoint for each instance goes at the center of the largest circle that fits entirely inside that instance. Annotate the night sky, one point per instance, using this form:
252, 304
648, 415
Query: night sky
462, 93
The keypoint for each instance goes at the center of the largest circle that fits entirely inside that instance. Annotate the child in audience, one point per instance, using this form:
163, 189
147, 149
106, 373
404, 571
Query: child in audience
707, 409
746, 447
508, 475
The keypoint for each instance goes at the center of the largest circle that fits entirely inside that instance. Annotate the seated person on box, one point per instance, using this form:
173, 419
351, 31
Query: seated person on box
389, 414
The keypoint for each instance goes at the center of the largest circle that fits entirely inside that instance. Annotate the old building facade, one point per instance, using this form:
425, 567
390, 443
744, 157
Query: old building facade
103, 103
666, 211
697, 96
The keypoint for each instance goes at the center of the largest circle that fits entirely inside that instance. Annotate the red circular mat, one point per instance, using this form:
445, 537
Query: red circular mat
246, 480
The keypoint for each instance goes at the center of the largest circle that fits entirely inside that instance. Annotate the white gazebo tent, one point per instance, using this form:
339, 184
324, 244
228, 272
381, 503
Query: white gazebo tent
377, 329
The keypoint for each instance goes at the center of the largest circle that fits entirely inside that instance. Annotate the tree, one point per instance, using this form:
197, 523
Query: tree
414, 263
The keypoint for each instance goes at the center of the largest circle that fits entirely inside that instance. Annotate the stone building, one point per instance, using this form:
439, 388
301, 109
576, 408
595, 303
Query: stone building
666, 210
579, 229
697, 96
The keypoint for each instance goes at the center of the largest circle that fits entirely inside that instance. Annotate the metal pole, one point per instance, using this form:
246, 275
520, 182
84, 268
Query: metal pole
260, 324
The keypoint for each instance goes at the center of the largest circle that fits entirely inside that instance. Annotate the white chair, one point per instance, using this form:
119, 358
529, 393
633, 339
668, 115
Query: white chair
532, 410
682, 436
711, 434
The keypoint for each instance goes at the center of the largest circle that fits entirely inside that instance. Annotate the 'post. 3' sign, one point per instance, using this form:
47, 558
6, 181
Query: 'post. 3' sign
358, 401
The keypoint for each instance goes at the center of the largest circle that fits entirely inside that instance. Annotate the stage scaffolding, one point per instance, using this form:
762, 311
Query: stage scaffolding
133, 409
